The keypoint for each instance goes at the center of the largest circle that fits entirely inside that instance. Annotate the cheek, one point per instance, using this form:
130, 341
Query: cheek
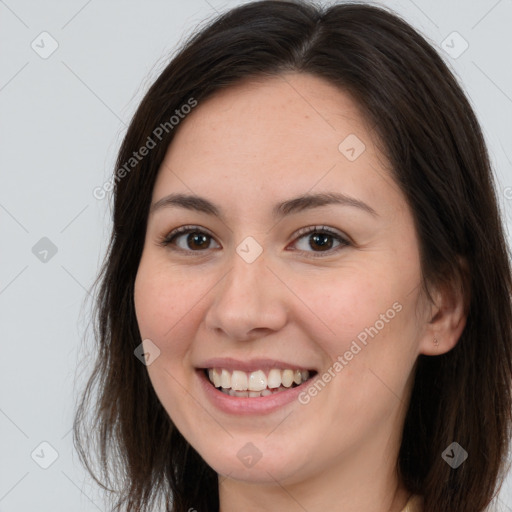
163, 298
164, 306
345, 301
365, 323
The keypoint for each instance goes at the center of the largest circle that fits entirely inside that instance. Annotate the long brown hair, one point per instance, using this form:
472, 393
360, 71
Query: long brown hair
431, 137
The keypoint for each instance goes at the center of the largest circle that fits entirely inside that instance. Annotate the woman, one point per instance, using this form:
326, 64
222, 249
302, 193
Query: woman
306, 299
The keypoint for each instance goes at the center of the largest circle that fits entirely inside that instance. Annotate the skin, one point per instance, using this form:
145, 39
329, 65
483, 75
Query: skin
246, 148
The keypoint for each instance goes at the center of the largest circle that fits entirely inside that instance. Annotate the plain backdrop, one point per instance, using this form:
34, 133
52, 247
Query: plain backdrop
72, 73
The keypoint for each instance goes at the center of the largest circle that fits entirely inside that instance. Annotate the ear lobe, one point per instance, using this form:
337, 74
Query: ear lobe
449, 316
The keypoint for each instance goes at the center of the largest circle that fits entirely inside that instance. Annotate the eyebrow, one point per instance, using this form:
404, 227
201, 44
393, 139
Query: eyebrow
290, 206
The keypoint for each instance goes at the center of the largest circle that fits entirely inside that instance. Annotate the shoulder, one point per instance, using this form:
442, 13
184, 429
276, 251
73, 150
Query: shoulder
415, 504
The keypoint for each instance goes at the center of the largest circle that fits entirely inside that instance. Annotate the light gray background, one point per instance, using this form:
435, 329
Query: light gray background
62, 119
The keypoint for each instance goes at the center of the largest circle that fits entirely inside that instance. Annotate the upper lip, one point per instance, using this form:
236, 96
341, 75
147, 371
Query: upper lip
252, 365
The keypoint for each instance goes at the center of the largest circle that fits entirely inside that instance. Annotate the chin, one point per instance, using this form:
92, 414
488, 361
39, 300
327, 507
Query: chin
250, 464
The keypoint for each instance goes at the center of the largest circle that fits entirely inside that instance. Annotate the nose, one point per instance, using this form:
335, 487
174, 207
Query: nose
249, 302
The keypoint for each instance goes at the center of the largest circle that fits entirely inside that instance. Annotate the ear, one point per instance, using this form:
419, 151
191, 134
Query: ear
448, 315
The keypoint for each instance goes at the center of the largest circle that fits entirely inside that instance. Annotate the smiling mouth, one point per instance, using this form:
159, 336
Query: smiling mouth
258, 383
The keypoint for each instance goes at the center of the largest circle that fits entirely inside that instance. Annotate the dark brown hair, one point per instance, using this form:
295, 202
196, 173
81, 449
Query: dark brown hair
432, 140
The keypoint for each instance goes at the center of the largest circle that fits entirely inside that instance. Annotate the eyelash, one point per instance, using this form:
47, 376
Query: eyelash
168, 240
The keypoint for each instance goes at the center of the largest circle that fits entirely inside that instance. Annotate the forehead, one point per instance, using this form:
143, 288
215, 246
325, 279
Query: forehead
289, 112
289, 133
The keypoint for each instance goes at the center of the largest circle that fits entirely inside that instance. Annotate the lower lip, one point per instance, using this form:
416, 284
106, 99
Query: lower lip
243, 405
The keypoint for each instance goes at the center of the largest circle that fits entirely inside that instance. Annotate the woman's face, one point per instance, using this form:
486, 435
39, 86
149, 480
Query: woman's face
275, 275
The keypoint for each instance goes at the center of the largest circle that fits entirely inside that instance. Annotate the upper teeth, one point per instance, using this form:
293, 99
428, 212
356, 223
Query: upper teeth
256, 381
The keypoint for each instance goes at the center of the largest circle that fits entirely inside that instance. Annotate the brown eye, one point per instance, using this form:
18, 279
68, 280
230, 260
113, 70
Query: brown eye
197, 240
320, 240
324, 241
189, 239
316, 241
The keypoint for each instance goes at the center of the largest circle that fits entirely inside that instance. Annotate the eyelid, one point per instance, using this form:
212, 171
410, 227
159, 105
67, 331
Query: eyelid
343, 239
320, 228
166, 240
